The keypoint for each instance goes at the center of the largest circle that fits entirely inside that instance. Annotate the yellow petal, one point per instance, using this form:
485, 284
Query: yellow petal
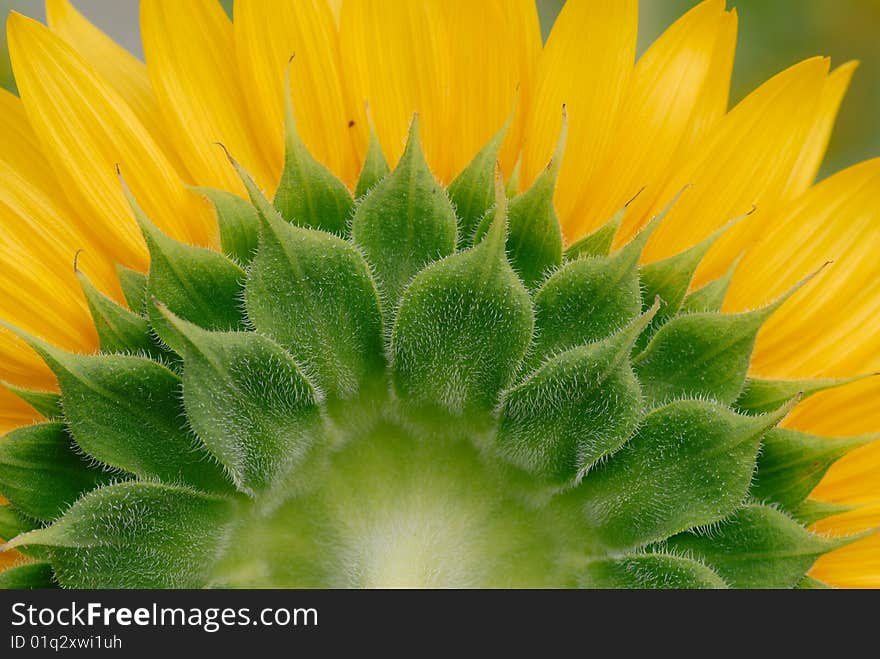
120, 69
849, 410
267, 34
856, 565
807, 166
746, 160
21, 148
711, 104
656, 115
86, 130
394, 53
22, 367
33, 219
829, 327
42, 300
710, 107
854, 478
35, 214
10, 559
336, 8
15, 413
190, 51
492, 59
586, 65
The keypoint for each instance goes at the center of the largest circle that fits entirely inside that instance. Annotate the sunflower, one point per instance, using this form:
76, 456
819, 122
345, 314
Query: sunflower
517, 313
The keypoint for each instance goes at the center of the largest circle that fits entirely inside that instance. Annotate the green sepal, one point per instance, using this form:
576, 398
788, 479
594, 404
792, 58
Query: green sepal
134, 288
809, 583
125, 411
313, 294
41, 471
309, 194
375, 166
756, 547
588, 299
792, 463
238, 224
578, 407
597, 243
405, 222
462, 329
511, 186
30, 576
47, 403
811, 511
248, 402
134, 535
709, 297
701, 355
473, 190
119, 330
13, 522
196, 283
669, 279
759, 396
689, 464
650, 571
534, 237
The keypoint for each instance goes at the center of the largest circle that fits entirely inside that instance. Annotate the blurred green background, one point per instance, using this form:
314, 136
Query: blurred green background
773, 34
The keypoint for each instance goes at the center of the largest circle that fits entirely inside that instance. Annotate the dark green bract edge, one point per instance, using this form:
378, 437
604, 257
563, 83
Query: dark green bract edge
414, 387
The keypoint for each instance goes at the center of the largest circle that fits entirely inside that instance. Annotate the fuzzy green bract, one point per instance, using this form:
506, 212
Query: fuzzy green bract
412, 386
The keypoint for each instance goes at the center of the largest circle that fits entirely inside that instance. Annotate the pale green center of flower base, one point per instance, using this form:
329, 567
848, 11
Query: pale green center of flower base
398, 505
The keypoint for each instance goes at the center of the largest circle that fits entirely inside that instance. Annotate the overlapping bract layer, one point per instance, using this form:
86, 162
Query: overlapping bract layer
595, 392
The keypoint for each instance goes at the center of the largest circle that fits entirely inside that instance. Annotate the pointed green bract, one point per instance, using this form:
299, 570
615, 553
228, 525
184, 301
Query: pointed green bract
699, 355
238, 223
119, 330
711, 296
13, 522
759, 396
249, 403
578, 407
134, 288
669, 280
405, 222
47, 403
41, 472
689, 464
197, 284
534, 237
811, 511
375, 166
479, 433
756, 547
462, 329
309, 194
705, 354
511, 187
650, 571
125, 411
792, 463
313, 294
588, 299
134, 535
30, 576
809, 583
597, 243
473, 190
